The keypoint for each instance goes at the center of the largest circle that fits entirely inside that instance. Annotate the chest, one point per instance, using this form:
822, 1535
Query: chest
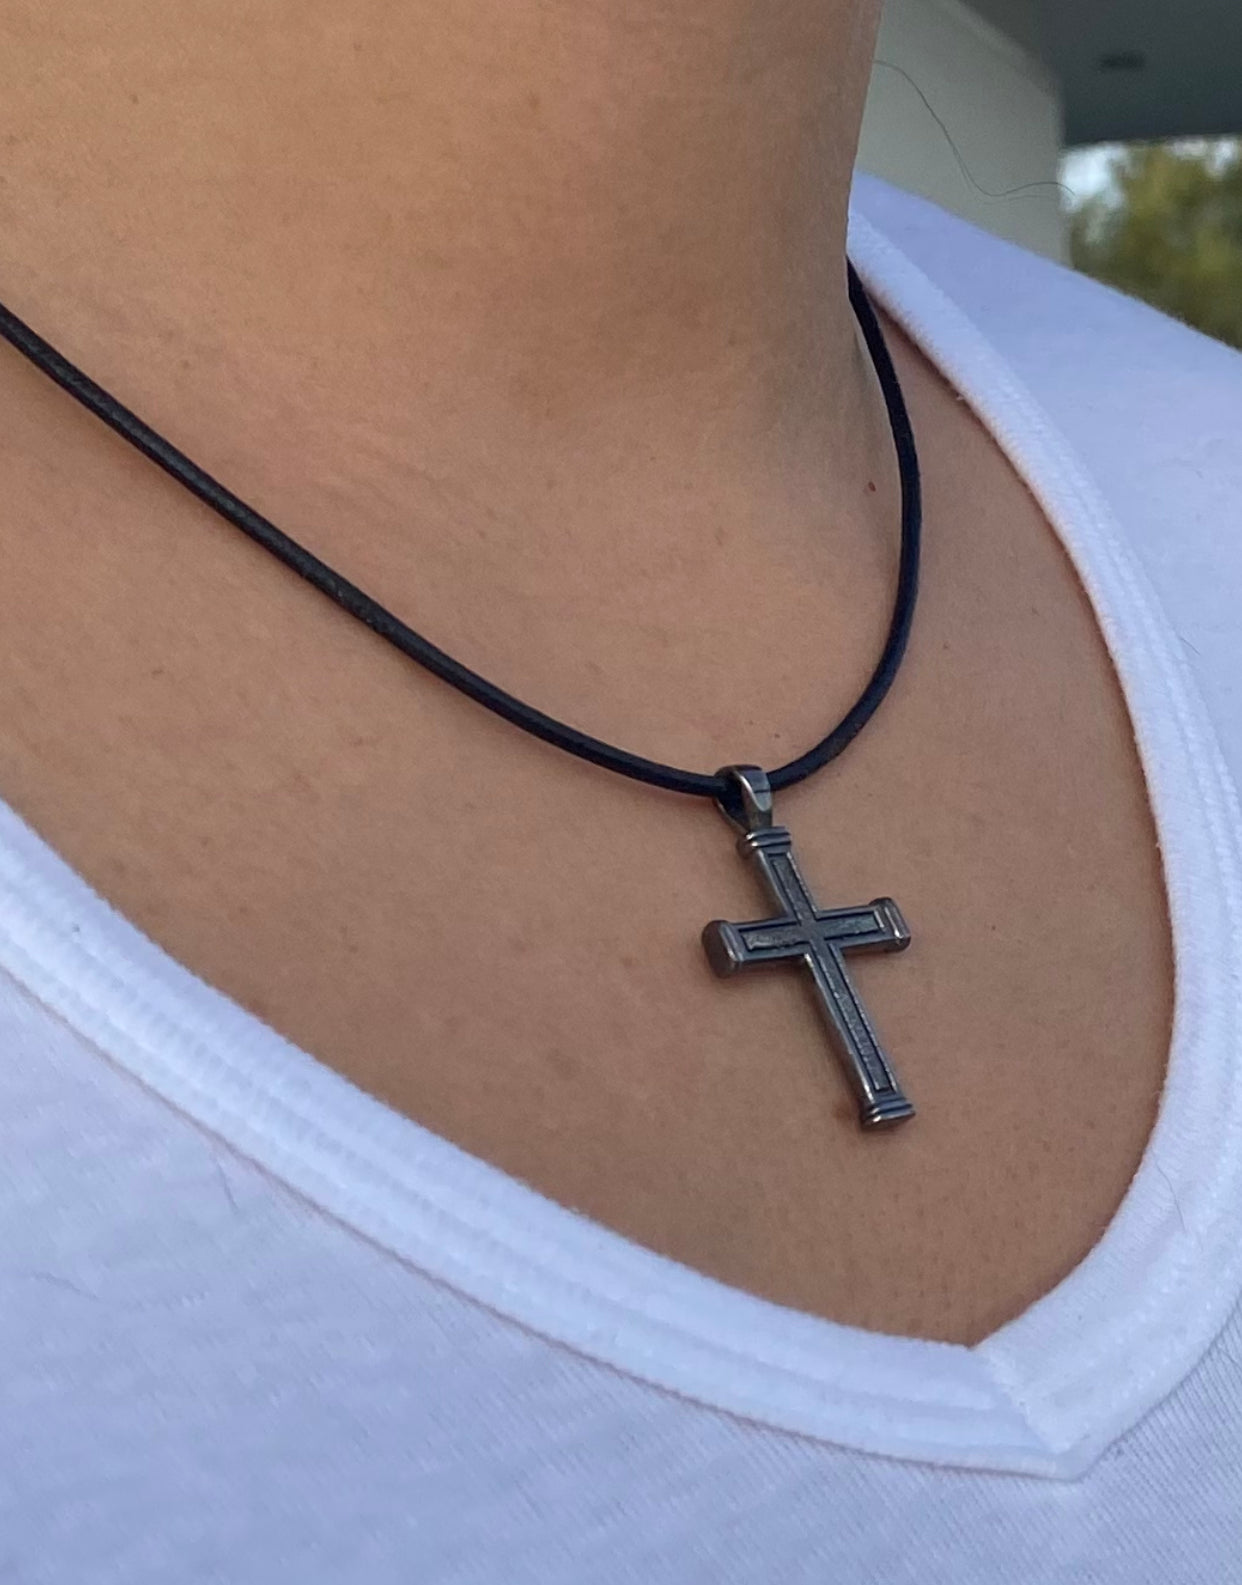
505, 944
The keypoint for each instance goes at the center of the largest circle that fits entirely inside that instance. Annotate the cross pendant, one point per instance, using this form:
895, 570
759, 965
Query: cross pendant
818, 938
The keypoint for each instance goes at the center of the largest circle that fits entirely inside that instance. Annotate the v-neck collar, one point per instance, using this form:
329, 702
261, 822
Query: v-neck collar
1047, 1392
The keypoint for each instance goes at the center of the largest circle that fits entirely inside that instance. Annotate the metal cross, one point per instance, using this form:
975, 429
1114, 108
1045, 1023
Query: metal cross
818, 938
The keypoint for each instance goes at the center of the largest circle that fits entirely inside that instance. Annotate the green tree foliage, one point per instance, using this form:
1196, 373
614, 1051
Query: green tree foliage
1170, 232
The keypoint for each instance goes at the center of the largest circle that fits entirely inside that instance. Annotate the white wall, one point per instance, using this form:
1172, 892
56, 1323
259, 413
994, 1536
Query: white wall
1000, 105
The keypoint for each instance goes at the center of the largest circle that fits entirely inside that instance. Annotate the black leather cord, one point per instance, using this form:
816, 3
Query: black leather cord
470, 683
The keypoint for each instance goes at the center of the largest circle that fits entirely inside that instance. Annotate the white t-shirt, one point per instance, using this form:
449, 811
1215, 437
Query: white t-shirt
256, 1327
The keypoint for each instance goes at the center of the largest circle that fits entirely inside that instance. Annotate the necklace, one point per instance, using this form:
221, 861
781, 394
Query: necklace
800, 931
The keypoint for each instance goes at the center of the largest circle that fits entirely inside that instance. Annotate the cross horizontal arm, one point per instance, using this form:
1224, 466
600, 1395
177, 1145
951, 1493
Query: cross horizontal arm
732, 947
879, 927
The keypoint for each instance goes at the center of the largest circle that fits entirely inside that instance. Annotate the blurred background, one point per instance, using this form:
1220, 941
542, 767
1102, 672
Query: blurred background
1106, 134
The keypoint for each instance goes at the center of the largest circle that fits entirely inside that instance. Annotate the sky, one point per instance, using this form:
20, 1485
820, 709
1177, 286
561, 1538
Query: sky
1085, 171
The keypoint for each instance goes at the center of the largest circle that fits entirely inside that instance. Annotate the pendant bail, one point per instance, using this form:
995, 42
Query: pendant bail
747, 801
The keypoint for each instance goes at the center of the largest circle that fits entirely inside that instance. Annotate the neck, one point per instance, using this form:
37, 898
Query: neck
579, 260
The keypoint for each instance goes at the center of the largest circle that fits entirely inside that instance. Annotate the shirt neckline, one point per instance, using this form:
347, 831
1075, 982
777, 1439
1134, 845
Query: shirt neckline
1048, 1392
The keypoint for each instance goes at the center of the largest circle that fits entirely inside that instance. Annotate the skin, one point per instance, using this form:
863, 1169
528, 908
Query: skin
532, 321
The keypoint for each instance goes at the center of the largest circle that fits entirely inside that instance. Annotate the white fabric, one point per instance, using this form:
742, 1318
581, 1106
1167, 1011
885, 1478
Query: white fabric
256, 1327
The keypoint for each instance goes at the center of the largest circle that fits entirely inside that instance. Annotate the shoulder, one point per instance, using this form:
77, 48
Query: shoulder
1082, 347
1151, 407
